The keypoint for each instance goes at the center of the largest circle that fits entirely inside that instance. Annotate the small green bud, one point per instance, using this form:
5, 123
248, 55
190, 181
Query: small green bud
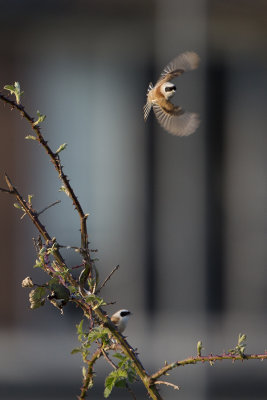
30, 137
61, 148
18, 206
30, 196
41, 118
15, 90
199, 348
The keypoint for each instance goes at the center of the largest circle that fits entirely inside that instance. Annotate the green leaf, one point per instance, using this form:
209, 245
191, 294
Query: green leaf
79, 328
30, 137
38, 264
76, 350
199, 348
18, 206
121, 383
41, 118
59, 291
73, 289
98, 301
36, 297
120, 356
30, 196
97, 333
240, 347
84, 372
61, 148
91, 384
126, 365
132, 377
11, 88
115, 378
15, 90
242, 338
65, 190
108, 388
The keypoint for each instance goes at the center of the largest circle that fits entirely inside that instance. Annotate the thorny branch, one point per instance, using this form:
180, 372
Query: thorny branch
210, 359
149, 381
167, 384
88, 379
54, 157
81, 302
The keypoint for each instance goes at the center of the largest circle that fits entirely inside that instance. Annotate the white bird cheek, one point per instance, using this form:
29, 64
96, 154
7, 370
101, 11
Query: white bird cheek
168, 95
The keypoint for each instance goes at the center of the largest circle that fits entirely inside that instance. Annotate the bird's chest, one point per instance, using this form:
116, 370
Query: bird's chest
155, 95
123, 323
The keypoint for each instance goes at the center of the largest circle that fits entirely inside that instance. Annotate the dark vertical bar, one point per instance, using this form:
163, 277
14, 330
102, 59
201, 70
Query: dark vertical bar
150, 271
215, 146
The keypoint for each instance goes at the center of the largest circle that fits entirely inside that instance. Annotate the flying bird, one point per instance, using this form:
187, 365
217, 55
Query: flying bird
172, 118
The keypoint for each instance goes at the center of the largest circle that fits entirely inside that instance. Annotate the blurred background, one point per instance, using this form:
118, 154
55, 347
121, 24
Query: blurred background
185, 218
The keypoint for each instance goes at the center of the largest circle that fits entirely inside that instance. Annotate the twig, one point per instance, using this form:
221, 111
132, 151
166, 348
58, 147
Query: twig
210, 359
59, 168
70, 247
110, 303
130, 390
107, 278
29, 211
108, 359
6, 191
51, 205
88, 379
34, 218
167, 384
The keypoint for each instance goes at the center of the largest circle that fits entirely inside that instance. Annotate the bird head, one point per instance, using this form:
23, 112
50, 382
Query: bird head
168, 89
120, 319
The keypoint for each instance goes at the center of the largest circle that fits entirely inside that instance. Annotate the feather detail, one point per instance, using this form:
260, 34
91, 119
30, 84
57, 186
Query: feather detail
115, 320
150, 87
147, 108
178, 122
182, 63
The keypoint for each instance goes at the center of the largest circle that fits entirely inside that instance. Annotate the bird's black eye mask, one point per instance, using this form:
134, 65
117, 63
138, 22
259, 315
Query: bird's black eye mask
124, 313
170, 88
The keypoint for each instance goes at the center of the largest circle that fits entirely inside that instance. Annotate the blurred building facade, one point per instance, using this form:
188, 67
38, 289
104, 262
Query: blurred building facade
184, 217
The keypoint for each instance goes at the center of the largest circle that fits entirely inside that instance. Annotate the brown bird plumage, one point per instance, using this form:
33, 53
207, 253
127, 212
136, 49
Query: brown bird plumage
172, 118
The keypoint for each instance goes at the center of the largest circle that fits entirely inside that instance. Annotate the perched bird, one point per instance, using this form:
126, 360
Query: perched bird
172, 118
120, 319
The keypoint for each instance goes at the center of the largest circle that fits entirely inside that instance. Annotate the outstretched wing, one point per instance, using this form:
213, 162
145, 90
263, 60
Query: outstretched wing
148, 105
147, 108
177, 122
184, 62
